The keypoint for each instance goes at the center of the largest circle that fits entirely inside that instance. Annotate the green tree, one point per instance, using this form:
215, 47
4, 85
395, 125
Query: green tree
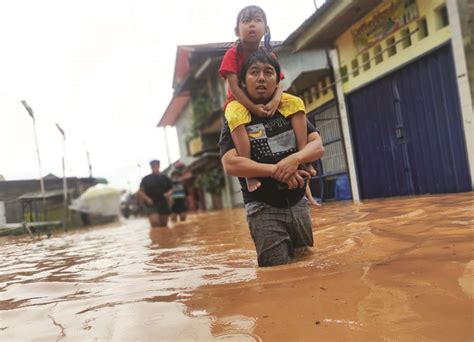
212, 180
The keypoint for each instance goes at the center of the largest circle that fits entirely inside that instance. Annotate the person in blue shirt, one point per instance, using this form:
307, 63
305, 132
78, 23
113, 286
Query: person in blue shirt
178, 198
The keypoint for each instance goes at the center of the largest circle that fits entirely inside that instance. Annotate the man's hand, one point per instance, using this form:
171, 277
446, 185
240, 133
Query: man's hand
285, 168
297, 179
272, 106
148, 200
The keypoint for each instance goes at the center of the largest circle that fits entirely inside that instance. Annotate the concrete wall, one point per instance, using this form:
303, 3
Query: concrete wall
375, 54
3, 219
296, 64
349, 53
461, 16
466, 17
183, 125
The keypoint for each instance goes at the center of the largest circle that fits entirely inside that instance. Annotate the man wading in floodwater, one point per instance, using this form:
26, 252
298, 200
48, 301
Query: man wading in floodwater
279, 219
155, 190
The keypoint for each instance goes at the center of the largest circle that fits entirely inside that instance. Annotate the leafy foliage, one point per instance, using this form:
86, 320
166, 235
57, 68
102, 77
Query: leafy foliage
212, 180
202, 107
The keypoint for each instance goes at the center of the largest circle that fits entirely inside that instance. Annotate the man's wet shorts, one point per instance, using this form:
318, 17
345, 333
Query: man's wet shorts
277, 232
160, 207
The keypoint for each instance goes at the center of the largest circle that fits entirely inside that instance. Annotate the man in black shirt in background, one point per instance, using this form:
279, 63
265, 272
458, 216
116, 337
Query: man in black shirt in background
155, 190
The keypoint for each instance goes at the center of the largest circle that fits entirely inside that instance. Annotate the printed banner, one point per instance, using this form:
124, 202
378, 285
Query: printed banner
388, 19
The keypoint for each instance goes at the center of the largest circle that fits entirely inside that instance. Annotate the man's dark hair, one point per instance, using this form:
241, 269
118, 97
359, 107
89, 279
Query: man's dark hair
154, 162
261, 56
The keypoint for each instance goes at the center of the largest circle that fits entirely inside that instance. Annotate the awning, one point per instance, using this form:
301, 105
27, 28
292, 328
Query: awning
303, 69
206, 159
175, 107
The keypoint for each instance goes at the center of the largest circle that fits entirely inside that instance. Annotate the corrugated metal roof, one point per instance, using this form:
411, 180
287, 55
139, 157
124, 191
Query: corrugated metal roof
47, 194
184, 53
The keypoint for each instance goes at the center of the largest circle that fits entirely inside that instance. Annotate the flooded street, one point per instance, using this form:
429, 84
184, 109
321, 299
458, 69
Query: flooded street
385, 270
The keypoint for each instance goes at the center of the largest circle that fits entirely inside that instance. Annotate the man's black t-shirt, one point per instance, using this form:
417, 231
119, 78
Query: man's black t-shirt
271, 140
155, 186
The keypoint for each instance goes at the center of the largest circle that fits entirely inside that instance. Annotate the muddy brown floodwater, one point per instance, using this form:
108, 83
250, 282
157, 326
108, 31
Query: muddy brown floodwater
384, 270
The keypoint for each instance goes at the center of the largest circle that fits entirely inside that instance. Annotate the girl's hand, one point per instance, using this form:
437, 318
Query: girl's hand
260, 111
272, 106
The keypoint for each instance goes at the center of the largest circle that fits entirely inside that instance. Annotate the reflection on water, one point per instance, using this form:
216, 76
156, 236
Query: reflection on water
394, 269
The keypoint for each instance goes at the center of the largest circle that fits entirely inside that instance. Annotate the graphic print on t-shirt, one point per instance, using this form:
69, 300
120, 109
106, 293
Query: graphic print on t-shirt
283, 142
271, 139
258, 141
256, 132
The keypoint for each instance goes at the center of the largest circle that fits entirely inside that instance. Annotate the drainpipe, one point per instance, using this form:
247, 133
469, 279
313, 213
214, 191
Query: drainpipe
166, 146
347, 141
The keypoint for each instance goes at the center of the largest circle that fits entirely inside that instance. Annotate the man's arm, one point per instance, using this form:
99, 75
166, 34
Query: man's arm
237, 166
313, 151
143, 197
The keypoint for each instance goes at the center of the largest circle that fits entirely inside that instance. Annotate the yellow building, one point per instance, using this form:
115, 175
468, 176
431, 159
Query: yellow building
396, 94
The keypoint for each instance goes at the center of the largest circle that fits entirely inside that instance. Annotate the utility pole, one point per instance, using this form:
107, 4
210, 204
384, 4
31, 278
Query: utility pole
30, 112
89, 163
88, 158
64, 175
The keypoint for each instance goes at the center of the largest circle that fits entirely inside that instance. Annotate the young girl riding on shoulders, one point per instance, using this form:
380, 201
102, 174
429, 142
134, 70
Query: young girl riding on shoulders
250, 29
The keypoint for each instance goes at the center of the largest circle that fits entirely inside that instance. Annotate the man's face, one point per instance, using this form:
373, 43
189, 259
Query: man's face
155, 168
261, 82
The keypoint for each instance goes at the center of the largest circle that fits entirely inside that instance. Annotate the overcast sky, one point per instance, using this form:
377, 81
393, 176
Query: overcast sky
103, 70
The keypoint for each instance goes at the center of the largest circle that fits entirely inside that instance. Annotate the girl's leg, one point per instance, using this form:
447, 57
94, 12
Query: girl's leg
310, 197
298, 122
242, 144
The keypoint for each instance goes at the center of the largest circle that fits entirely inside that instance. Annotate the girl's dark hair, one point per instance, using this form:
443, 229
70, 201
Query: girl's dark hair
251, 11
262, 56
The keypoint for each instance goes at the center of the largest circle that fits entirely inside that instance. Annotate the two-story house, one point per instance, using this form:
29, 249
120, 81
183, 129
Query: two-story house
196, 110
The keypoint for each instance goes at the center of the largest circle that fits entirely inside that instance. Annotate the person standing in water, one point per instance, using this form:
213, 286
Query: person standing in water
251, 27
178, 198
155, 190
